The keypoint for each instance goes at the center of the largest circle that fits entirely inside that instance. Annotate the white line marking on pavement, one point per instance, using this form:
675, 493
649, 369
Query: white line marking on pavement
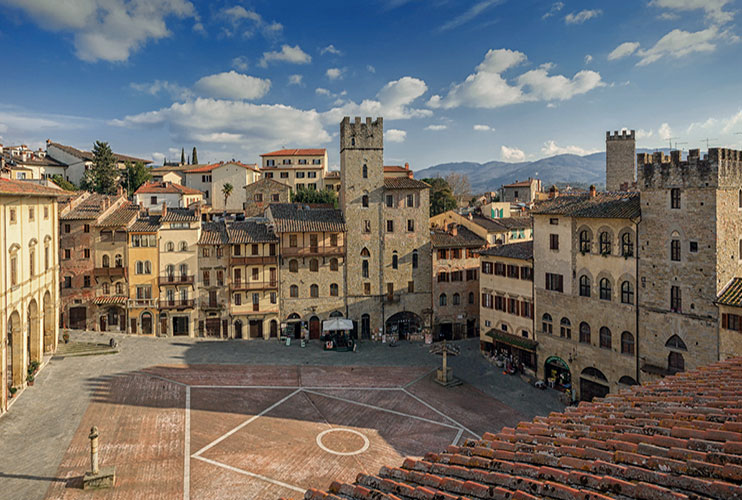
458, 425
187, 463
162, 378
378, 408
458, 436
244, 386
243, 424
418, 379
252, 474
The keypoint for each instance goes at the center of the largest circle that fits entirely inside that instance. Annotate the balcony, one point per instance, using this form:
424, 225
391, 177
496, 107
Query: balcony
253, 285
177, 304
252, 260
176, 279
110, 272
320, 251
212, 304
134, 303
251, 309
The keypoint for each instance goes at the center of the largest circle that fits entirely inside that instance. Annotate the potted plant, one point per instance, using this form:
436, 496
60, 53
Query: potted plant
12, 391
30, 379
66, 337
33, 367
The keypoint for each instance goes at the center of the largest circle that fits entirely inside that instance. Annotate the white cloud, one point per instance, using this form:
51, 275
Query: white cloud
157, 157
511, 154
370, 68
254, 127
174, 90
471, 13
233, 85
107, 30
550, 148
436, 128
240, 63
581, 16
665, 132
483, 128
588, 59
555, 7
644, 134
392, 102
733, 123
714, 9
623, 50
236, 16
334, 73
330, 49
321, 91
287, 54
395, 135
679, 43
295, 79
487, 88
707, 125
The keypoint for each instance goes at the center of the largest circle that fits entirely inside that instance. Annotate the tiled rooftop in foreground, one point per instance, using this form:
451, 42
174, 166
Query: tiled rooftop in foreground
679, 438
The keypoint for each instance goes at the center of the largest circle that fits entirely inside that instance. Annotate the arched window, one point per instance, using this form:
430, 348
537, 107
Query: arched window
333, 290
364, 200
546, 324
119, 288
626, 380
627, 292
170, 270
414, 259
365, 170
106, 289
627, 343
584, 286
456, 299
333, 264
584, 241
565, 328
605, 338
676, 342
314, 291
183, 246
442, 299
395, 261
471, 298
605, 243
294, 291
294, 266
584, 333
183, 270
675, 362
627, 245
605, 289
106, 261
119, 261
169, 246
314, 265
594, 373
365, 252
139, 267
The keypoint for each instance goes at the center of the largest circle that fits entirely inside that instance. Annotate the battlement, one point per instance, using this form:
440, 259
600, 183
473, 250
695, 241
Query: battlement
721, 167
622, 136
358, 134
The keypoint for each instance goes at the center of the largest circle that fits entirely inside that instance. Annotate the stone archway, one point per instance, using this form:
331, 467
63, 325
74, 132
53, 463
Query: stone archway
403, 324
49, 321
16, 367
33, 332
593, 384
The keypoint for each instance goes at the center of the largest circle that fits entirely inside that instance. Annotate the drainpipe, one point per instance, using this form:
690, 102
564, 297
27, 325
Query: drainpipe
636, 306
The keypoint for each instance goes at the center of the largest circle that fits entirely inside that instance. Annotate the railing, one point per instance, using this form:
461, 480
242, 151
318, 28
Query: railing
109, 271
176, 279
253, 285
250, 308
142, 302
312, 250
250, 260
211, 304
177, 304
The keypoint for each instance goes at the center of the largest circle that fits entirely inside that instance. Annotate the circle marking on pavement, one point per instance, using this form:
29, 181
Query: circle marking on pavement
342, 453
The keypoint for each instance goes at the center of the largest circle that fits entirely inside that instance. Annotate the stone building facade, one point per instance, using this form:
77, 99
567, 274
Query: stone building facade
262, 193
298, 168
144, 265
520, 191
29, 270
213, 268
620, 153
387, 223
730, 326
585, 288
455, 282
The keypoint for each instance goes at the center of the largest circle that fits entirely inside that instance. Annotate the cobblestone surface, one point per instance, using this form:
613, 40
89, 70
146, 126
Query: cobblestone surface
38, 429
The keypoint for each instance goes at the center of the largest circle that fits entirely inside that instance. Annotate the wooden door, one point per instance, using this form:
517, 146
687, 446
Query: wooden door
314, 327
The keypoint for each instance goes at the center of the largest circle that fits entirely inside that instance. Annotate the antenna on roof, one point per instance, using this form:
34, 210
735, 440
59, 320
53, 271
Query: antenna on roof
707, 141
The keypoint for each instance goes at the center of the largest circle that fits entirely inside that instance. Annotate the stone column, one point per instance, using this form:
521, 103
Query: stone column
94, 450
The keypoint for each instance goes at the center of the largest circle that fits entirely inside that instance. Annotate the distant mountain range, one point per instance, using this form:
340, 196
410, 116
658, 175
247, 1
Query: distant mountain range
560, 169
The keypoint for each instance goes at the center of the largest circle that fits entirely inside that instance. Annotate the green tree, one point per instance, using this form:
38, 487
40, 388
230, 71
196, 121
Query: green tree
194, 157
102, 176
326, 196
64, 184
134, 176
441, 196
227, 192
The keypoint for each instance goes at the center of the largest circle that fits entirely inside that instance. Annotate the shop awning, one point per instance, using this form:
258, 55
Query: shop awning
512, 340
336, 324
110, 299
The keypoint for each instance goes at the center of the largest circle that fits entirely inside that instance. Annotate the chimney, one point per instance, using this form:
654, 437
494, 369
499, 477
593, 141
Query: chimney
164, 209
454, 229
592, 191
119, 190
24, 156
471, 216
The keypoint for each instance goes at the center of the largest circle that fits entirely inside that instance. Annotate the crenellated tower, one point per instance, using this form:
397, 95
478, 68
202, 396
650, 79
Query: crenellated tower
620, 151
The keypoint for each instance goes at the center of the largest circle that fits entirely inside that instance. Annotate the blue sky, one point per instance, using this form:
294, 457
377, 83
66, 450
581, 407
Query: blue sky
455, 80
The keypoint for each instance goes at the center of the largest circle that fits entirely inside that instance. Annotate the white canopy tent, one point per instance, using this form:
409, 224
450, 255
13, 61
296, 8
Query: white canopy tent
336, 324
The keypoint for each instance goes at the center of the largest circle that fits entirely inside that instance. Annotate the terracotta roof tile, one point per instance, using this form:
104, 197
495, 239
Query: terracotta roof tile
250, 232
464, 238
297, 218
90, 208
180, 215
616, 447
122, 216
731, 295
146, 224
522, 250
213, 233
87, 155
199, 169
297, 152
165, 187
15, 187
404, 183
602, 205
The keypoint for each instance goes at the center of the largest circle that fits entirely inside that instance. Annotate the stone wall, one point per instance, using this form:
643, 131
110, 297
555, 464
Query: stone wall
620, 151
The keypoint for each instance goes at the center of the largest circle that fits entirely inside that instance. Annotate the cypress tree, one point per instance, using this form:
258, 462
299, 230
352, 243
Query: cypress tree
182, 156
194, 157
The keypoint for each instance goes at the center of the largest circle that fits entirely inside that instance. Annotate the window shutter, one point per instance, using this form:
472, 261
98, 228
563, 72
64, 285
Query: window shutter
724, 321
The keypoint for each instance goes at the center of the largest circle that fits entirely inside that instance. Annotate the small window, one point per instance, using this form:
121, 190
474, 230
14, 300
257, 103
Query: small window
627, 343
86, 228
390, 226
442, 299
364, 201
676, 303
395, 261
294, 266
31, 214
275, 197
314, 265
584, 241
584, 333
14, 218
153, 200
333, 264
584, 286
410, 287
410, 226
694, 246
410, 200
364, 269
414, 259
546, 324
46, 213
554, 221
605, 243
390, 201
675, 250
86, 281
366, 226
367, 288
67, 253
627, 292
169, 246
605, 338
314, 291
565, 328
294, 291
334, 290
627, 245
605, 289
456, 299
86, 253
471, 297
675, 198
554, 242
365, 168
67, 227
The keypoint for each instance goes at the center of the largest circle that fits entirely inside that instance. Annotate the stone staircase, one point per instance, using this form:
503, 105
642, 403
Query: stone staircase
83, 349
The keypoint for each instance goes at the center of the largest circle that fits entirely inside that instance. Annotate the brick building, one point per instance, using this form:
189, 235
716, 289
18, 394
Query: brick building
455, 282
